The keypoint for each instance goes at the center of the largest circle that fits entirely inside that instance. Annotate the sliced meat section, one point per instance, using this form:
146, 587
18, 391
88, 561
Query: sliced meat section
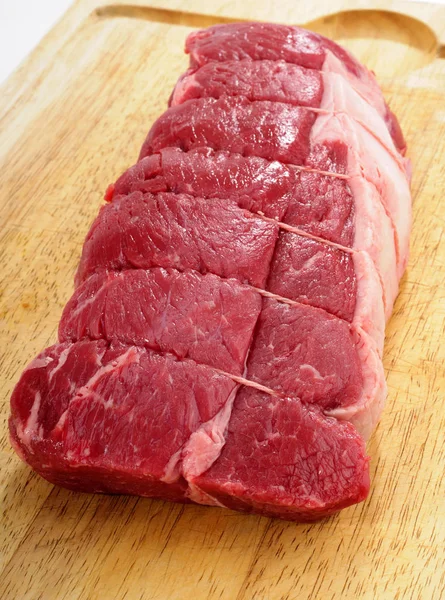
266, 129
102, 426
272, 42
132, 232
367, 156
113, 419
283, 459
304, 352
292, 135
317, 203
314, 273
278, 81
180, 231
374, 229
345, 284
303, 270
266, 41
297, 350
203, 317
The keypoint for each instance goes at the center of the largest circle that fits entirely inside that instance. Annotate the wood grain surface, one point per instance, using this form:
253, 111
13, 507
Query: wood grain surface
72, 118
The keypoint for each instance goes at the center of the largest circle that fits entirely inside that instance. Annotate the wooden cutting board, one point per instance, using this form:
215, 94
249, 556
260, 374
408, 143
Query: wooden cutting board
72, 118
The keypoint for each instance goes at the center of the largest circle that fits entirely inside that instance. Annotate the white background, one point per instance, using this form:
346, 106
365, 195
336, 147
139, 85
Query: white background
24, 22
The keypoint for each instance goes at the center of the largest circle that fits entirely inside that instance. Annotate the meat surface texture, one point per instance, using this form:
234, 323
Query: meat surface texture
223, 344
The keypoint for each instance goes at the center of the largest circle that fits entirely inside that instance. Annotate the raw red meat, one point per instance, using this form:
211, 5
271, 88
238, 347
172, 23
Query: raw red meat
311, 272
190, 315
279, 450
270, 130
320, 204
294, 45
278, 81
94, 383
180, 231
142, 231
297, 351
223, 345
292, 135
147, 405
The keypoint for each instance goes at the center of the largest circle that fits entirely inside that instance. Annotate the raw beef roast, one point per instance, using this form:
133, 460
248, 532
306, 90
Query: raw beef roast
223, 344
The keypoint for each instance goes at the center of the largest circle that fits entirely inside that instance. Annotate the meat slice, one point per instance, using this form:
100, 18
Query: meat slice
303, 270
317, 203
278, 81
283, 459
265, 129
179, 231
269, 41
278, 131
100, 418
297, 350
306, 353
142, 448
314, 202
344, 284
202, 317
292, 135
294, 45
